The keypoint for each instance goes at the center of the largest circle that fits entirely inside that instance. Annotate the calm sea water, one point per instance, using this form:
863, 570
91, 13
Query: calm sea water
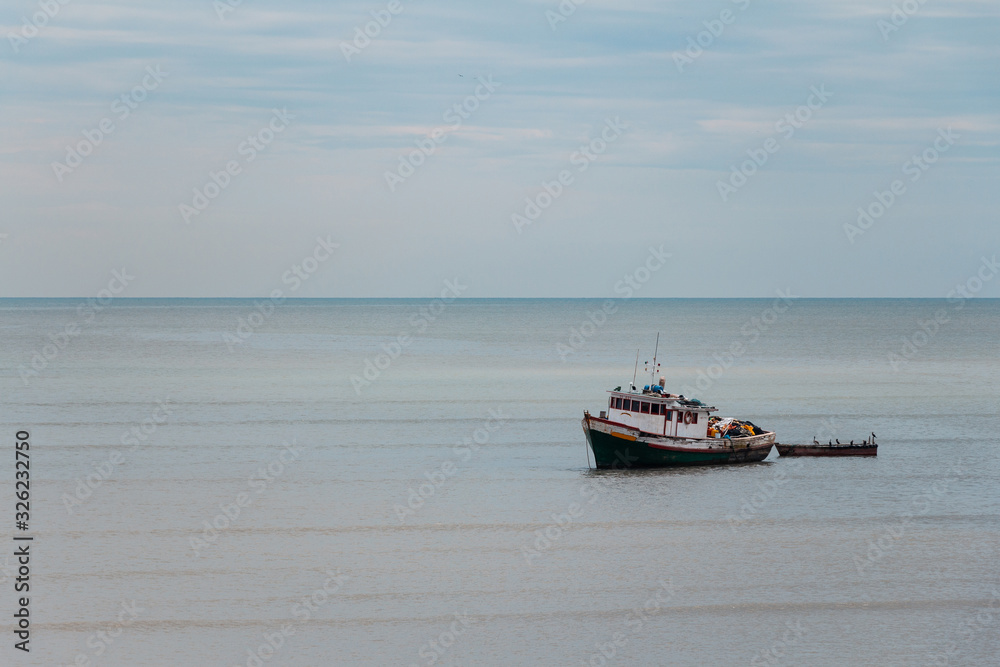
445, 512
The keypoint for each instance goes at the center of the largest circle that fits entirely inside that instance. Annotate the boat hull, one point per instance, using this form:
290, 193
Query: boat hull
619, 446
827, 450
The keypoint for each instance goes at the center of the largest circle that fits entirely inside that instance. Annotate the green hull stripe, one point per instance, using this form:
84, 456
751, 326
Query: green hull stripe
611, 452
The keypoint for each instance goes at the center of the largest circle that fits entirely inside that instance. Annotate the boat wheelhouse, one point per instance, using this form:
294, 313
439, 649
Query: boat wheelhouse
658, 413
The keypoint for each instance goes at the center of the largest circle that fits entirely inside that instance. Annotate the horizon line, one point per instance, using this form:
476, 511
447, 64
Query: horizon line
491, 298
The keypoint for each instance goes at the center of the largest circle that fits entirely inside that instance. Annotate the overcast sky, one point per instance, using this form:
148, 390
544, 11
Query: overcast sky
199, 78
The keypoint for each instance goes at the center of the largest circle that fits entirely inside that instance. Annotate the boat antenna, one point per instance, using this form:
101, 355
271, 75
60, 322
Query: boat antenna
636, 367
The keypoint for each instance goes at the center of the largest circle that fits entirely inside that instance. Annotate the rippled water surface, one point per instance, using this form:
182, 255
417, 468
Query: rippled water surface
442, 510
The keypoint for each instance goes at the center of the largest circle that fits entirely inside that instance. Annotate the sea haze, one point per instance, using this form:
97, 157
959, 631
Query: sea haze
439, 508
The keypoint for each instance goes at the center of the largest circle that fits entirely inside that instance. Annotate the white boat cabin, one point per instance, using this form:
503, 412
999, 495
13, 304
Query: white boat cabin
654, 411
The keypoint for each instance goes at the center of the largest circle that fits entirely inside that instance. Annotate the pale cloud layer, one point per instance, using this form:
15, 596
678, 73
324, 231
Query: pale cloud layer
886, 95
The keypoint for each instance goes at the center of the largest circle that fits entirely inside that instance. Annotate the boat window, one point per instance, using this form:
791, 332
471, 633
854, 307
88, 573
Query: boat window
659, 408
670, 415
611, 402
627, 405
694, 417
645, 408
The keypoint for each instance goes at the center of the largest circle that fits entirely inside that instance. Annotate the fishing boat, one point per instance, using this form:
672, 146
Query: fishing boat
816, 449
653, 428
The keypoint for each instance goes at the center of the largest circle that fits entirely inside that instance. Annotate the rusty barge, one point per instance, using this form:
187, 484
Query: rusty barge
864, 449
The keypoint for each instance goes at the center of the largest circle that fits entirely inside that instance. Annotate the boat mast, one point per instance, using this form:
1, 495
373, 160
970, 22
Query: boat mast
634, 372
652, 371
